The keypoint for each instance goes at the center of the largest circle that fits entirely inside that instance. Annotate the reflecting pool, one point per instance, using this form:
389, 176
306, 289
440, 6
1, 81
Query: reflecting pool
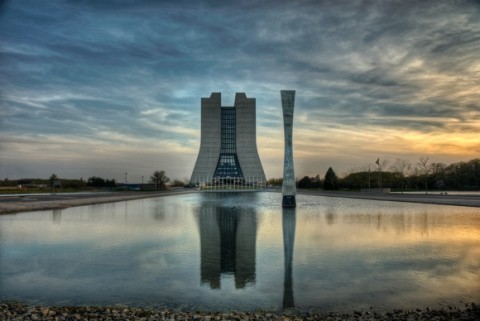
218, 251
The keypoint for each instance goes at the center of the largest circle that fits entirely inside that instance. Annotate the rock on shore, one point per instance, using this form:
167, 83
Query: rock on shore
19, 311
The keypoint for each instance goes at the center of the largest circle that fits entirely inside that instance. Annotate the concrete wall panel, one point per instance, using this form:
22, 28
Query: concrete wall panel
210, 139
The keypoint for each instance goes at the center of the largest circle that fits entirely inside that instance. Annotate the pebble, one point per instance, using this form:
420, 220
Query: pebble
19, 311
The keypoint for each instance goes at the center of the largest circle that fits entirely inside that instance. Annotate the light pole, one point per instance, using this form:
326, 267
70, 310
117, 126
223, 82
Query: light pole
368, 177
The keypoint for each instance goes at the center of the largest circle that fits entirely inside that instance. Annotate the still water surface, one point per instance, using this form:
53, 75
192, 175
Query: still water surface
242, 251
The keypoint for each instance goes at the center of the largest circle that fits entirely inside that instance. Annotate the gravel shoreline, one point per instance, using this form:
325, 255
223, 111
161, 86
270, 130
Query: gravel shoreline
20, 311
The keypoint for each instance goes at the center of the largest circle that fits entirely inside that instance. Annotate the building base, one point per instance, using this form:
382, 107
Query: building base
289, 201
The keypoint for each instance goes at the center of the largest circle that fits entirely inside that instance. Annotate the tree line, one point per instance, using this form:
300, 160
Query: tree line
328, 182
157, 181
400, 175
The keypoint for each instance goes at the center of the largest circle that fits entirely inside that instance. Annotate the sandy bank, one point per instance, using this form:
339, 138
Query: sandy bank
15, 204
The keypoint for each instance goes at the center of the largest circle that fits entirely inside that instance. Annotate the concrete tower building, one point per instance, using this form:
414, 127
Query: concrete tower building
228, 146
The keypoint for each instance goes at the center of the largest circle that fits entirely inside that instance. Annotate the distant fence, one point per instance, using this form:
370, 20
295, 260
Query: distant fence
230, 184
376, 190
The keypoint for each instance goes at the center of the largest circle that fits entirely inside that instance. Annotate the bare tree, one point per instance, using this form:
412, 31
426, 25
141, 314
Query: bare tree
159, 179
401, 166
424, 168
380, 166
437, 168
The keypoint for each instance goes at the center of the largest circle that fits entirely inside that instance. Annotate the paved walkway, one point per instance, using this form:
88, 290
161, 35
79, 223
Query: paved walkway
40, 202
458, 200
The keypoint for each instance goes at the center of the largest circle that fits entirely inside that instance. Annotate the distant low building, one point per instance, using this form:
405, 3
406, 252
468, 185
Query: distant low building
30, 186
136, 187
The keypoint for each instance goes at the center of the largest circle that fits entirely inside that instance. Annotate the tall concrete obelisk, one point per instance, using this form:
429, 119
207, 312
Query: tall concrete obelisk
288, 187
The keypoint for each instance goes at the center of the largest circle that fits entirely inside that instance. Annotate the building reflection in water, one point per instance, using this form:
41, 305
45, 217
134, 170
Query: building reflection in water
288, 224
227, 242
57, 216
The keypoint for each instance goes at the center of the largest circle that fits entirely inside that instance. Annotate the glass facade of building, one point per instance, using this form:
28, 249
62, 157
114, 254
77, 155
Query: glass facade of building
228, 165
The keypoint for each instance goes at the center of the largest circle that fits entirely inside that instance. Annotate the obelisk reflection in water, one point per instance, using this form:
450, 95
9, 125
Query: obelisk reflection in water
288, 224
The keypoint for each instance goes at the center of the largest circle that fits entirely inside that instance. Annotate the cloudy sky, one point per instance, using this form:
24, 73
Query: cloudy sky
107, 87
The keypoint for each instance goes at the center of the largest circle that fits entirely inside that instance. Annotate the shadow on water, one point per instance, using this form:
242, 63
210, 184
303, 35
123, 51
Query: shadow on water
228, 236
288, 225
